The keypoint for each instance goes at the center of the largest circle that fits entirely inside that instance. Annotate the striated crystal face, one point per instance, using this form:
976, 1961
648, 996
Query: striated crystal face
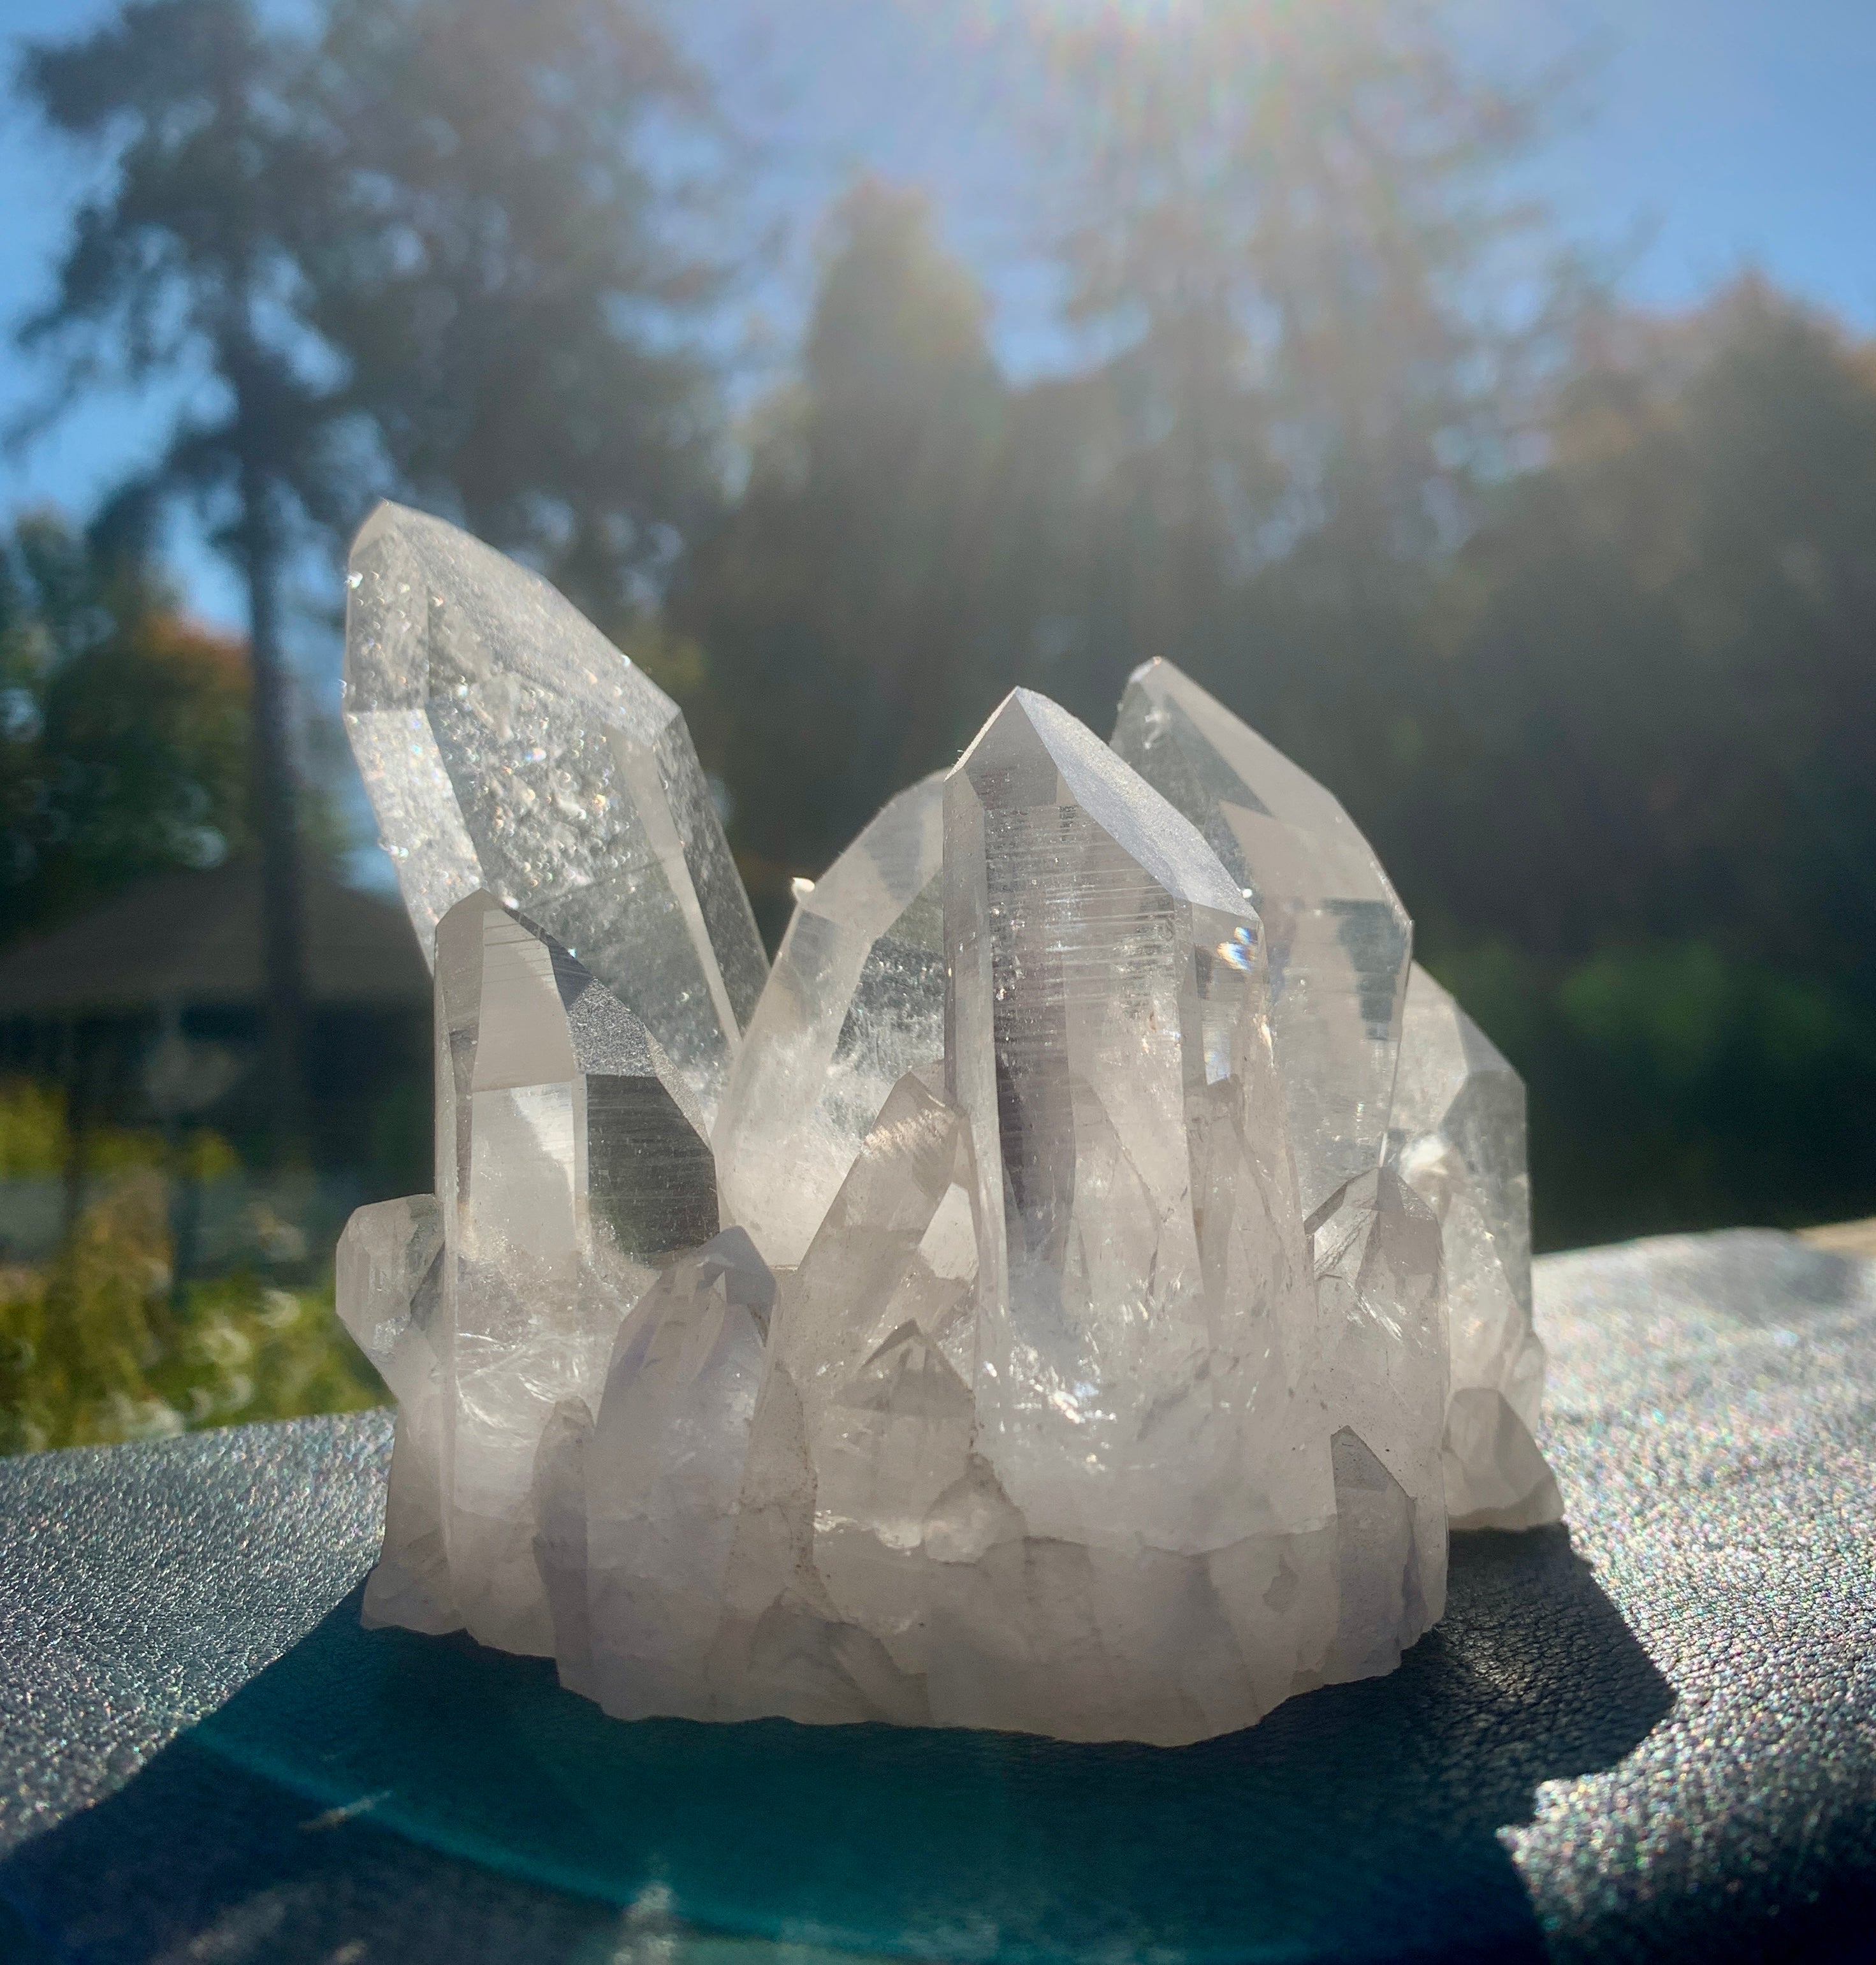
507, 745
1379, 1273
1143, 1283
1070, 1351
1337, 937
637, 1508
388, 1283
572, 1160
855, 999
1457, 1138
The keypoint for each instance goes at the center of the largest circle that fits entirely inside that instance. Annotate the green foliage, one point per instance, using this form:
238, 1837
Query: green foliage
847, 595
94, 1347
1613, 744
1656, 707
99, 1344
1670, 1088
511, 285
33, 1140
124, 748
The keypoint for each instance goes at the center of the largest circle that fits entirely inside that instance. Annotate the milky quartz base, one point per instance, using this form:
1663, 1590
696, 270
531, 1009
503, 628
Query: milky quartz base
1071, 1295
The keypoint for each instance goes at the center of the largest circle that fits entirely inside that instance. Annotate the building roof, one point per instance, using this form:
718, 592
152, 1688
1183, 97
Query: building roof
195, 939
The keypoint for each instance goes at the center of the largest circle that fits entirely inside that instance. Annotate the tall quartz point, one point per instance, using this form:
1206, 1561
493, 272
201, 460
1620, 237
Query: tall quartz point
572, 1161
1371, 1062
506, 744
855, 1000
1337, 936
636, 1510
1140, 1531
388, 1282
1457, 1139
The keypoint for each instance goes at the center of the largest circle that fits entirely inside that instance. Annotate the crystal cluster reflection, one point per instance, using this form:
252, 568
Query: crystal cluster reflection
1073, 1293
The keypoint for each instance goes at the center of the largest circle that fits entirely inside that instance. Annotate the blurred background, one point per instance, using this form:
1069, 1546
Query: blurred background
1480, 398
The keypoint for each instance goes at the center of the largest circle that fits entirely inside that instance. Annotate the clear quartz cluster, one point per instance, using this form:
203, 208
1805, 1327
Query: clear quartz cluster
1074, 1293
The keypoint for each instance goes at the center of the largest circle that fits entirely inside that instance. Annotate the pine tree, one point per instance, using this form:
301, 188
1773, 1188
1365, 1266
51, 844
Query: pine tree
183, 263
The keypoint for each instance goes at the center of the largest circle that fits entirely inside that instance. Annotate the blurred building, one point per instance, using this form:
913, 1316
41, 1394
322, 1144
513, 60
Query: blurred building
147, 1012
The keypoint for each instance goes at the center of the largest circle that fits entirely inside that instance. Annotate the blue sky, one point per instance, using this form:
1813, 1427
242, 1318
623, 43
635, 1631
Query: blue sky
1719, 133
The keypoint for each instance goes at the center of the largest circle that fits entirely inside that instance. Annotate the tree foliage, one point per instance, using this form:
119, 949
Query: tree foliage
1641, 830
123, 736
1571, 606
845, 594
1290, 224
513, 285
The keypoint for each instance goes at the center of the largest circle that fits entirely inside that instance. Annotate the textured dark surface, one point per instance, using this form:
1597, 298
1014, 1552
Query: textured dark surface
1653, 1737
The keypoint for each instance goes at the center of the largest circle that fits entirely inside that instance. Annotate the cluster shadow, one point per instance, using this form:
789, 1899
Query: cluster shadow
431, 1799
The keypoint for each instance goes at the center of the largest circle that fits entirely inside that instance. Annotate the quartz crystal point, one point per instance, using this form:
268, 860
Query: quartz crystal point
1457, 1138
571, 1159
507, 745
855, 999
636, 1509
1370, 1062
1143, 1283
1336, 935
1378, 1286
388, 1283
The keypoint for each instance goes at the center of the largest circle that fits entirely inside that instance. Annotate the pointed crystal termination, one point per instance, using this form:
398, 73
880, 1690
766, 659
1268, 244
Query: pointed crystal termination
882, 1571
507, 745
1337, 935
1457, 1139
828, 1599
389, 1278
1380, 1285
571, 1158
385, 1283
855, 1000
802, 1633
647, 1493
1145, 1290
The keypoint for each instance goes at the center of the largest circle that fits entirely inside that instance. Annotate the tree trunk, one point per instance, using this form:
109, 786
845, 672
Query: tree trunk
277, 821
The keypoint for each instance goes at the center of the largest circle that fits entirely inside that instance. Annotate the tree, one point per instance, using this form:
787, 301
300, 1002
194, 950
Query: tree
513, 286
420, 249
1640, 838
847, 595
1291, 221
123, 745
184, 264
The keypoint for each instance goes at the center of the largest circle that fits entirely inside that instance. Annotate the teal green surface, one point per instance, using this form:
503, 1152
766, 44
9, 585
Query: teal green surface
1357, 1821
1648, 1739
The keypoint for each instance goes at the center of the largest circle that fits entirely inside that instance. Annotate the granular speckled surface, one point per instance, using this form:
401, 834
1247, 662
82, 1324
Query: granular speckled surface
1654, 1737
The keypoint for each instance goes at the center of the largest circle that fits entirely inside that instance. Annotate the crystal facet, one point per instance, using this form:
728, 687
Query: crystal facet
1337, 935
1379, 1274
388, 1283
1457, 1138
1144, 1286
1077, 1360
855, 999
507, 745
647, 1491
571, 1158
